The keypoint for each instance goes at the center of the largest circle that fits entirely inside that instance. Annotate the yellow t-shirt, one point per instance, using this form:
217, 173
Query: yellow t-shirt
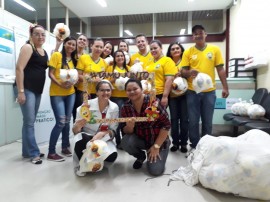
87, 65
203, 61
116, 92
165, 66
145, 59
56, 63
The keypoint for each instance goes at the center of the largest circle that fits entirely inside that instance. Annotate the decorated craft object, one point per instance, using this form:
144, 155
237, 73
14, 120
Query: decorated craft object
61, 31
202, 82
70, 75
120, 83
256, 111
109, 60
93, 156
137, 67
179, 86
127, 57
146, 86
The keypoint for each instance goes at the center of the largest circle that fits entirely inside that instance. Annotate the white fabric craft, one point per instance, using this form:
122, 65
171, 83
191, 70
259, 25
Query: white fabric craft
232, 165
120, 83
202, 82
108, 60
127, 56
61, 30
146, 86
70, 75
137, 67
256, 111
179, 86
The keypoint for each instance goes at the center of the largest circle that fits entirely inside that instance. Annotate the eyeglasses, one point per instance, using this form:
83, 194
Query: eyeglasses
39, 35
105, 90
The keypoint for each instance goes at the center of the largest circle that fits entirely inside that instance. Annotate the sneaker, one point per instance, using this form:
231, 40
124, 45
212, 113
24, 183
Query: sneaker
78, 173
41, 155
36, 160
138, 163
191, 151
66, 152
174, 148
55, 157
183, 148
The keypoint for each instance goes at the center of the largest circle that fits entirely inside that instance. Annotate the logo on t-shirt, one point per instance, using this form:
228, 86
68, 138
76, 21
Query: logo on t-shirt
209, 55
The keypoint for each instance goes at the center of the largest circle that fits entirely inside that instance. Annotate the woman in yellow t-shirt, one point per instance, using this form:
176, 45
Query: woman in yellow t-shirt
178, 105
93, 65
164, 69
62, 95
119, 95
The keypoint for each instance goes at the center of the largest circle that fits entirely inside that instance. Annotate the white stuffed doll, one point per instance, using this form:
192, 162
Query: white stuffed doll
179, 86
61, 31
70, 75
120, 83
202, 82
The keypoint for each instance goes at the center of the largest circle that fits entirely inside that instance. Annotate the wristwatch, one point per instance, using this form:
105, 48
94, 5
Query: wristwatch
21, 91
156, 146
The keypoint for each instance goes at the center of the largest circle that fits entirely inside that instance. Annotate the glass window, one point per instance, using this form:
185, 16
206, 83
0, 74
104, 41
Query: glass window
171, 23
137, 24
106, 26
212, 20
57, 14
74, 24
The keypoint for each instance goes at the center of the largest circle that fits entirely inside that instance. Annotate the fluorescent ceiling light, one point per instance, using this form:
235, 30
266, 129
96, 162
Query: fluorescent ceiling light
25, 5
128, 32
102, 3
182, 31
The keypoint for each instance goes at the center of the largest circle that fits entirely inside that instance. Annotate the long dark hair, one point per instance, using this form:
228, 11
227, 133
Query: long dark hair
102, 54
133, 80
73, 54
170, 46
114, 62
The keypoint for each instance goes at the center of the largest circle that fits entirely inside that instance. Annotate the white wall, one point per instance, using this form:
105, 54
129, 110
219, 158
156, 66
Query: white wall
249, 32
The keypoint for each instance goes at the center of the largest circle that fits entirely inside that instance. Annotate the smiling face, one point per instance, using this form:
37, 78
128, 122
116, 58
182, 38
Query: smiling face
38, 36
134, 91
141, 43
107, 49
82, 42
156, 50
176, 51
123, 46
104, 91
97, 48
70, 46
199, 36
119, 58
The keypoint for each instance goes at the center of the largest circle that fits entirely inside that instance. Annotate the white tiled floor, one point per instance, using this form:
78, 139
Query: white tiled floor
55, 181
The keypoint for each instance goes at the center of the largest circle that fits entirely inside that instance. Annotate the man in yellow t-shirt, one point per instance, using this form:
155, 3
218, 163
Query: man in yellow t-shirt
143, 55
204, 58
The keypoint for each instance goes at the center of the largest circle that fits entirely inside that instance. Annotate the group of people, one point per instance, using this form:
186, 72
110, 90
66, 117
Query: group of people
141, 139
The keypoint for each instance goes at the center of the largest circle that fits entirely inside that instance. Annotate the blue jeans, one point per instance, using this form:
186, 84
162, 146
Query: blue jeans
62, 108
202, 106
29, 111
135, 146
120, 102
178, 112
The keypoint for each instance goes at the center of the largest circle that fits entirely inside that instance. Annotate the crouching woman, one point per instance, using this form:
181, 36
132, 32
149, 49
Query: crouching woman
145, 137
93, 141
